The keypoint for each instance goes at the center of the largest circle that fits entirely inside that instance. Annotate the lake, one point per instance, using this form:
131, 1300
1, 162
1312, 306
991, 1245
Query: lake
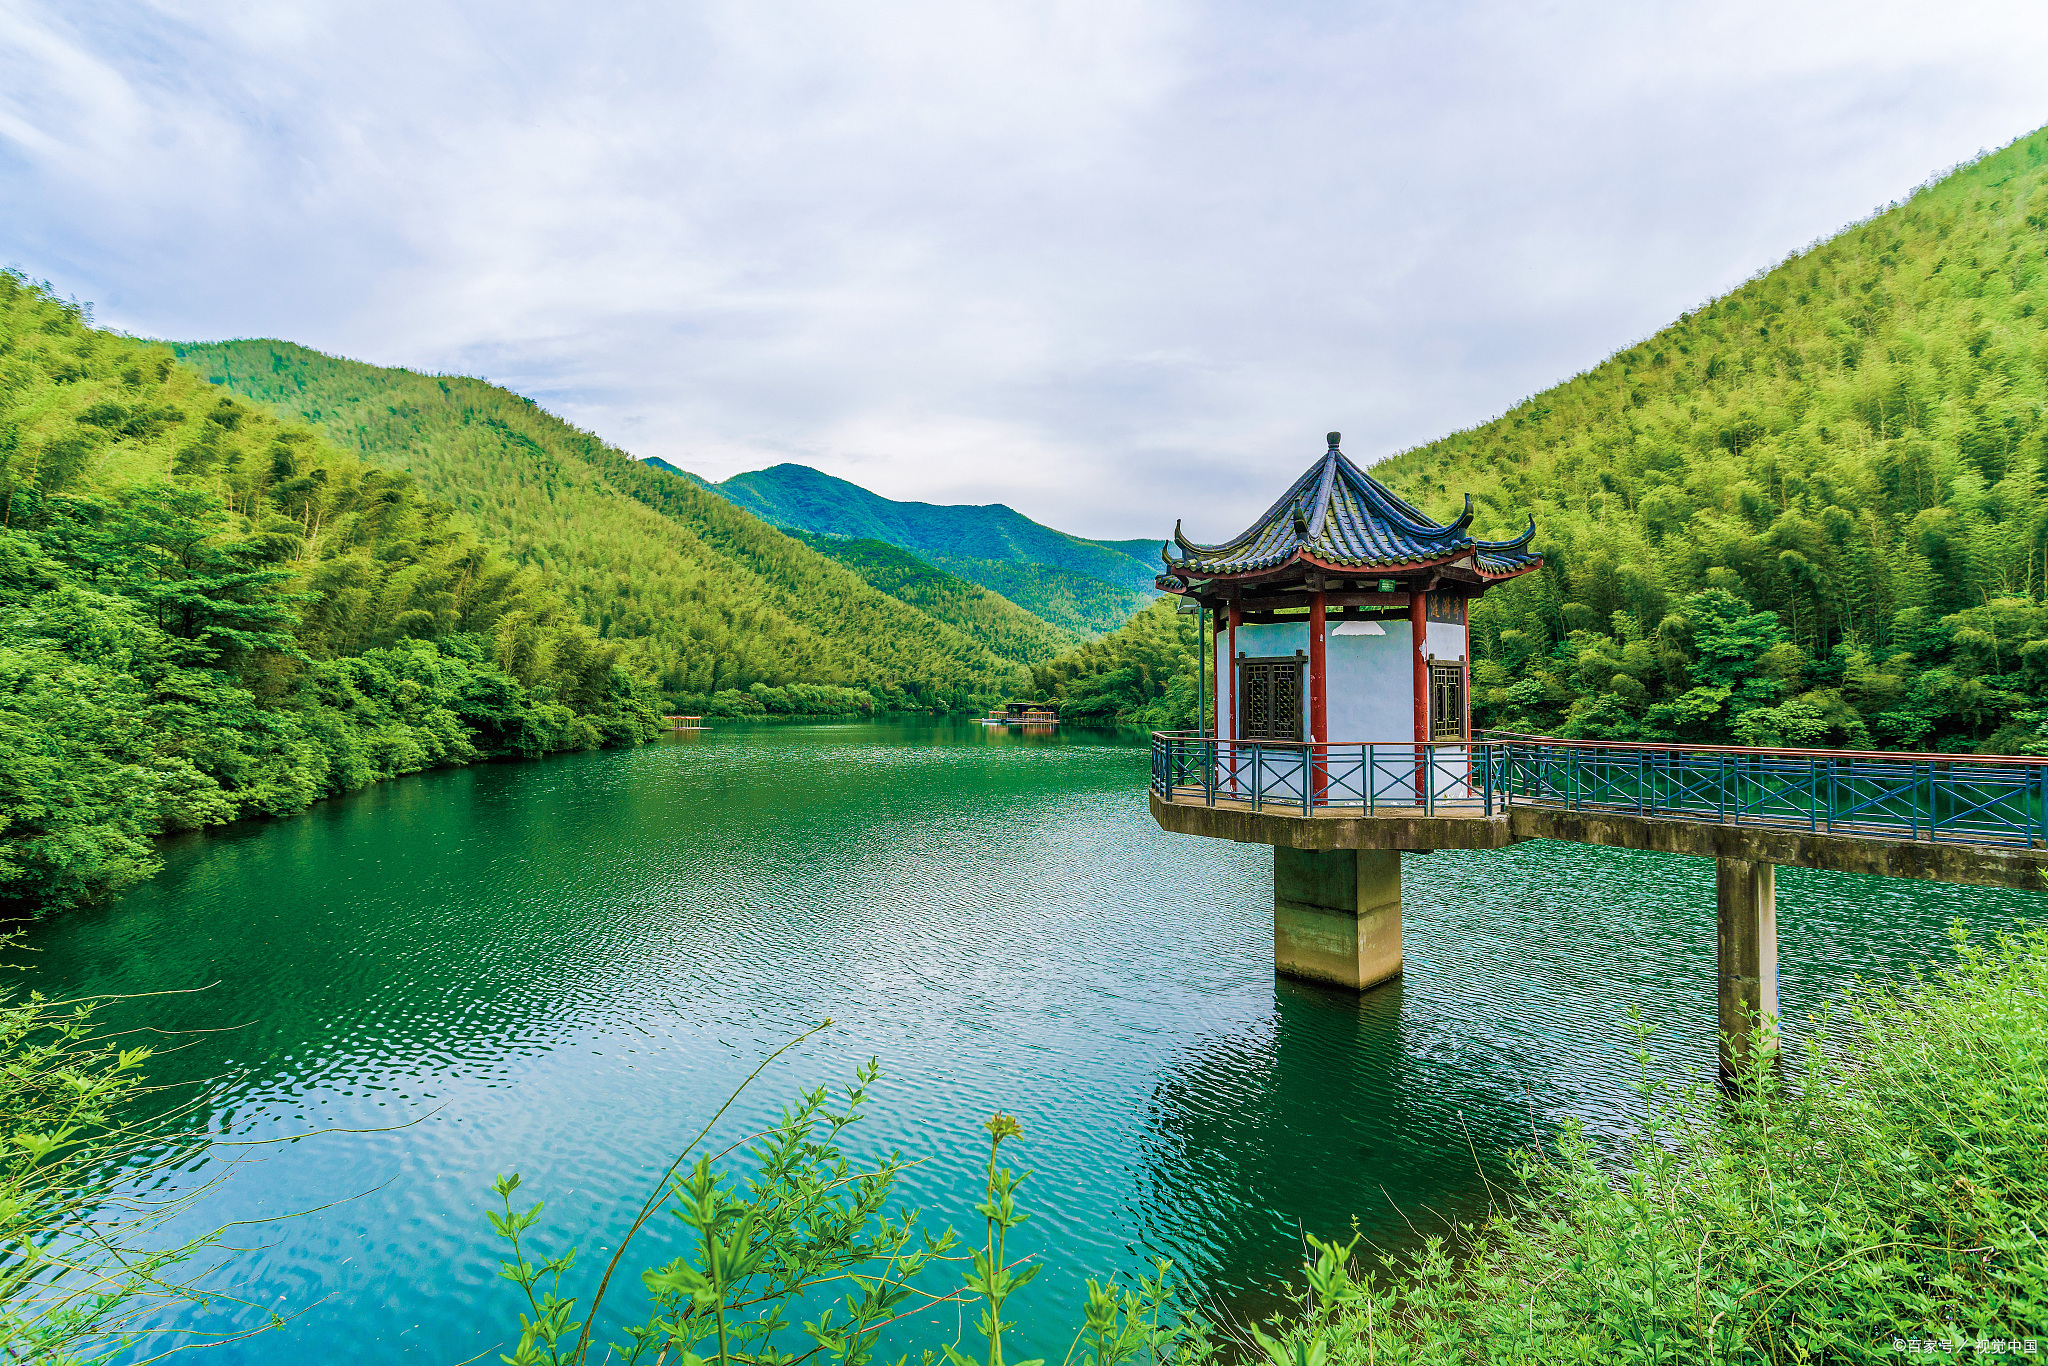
562, 967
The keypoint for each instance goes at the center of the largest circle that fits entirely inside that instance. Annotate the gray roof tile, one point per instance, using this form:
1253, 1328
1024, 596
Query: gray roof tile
1340, 515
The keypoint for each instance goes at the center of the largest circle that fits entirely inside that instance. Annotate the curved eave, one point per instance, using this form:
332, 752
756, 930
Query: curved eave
1501, 575
1187, 572
1478, 550
1328, 565
1518, 546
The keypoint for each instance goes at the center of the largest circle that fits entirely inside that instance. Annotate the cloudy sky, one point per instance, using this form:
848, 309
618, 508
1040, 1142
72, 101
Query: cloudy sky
1110, 262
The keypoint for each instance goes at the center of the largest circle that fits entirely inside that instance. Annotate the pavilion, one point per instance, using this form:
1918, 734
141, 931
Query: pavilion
1341, 617
1340, 547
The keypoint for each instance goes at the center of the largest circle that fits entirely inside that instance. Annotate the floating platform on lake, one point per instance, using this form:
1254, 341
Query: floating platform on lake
1024, 714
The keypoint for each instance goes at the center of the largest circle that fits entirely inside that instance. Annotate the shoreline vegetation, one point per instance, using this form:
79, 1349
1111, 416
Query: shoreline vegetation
85, 1264
1889, 1187
207, 614
210, 614
1886, 1193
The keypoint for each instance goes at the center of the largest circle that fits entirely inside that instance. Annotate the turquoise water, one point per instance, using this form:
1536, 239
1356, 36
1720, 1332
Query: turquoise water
562, 967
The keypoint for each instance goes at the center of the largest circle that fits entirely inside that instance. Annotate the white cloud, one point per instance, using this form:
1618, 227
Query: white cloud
1111, 263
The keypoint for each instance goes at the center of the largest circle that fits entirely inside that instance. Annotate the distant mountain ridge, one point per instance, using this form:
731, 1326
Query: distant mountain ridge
1076, 583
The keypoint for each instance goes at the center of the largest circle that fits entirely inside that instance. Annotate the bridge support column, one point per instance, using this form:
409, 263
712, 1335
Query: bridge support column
1337, 915
1746, 941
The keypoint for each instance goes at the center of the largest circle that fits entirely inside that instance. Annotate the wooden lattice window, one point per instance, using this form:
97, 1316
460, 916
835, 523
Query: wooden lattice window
1446, 701
1271, 709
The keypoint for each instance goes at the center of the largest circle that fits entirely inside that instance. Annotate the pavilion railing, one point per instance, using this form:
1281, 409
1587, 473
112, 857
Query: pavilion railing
1949, 798
1440, 776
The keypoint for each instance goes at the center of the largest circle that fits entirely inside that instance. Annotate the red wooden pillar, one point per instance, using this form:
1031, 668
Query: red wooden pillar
1230, 661
1318, 695
1418, 627
1318, 675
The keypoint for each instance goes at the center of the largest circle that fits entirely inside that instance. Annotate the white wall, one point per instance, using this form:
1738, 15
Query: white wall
1372, 684
1372, 678
1444, 640
1280, 638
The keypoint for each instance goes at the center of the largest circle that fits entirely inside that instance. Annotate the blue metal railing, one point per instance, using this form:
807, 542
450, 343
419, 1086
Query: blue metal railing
1950, 798
1281, 775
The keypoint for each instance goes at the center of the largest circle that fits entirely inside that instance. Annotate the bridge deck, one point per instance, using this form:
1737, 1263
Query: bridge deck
1880, 854
1960, 818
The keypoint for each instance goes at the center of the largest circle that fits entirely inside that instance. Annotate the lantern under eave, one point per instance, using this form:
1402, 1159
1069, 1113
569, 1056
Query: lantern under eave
1342, 613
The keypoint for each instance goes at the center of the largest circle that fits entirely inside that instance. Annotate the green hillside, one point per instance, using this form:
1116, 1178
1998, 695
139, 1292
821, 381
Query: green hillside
717, 601
206, 613
1141, 674
801, 497
1075, 602
1004, 628
1811, 511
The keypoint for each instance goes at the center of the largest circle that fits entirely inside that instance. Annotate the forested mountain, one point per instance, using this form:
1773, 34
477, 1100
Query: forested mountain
1004, 628
720, 602
207, 613
799, 496
1074, 602
992, 545
1812, 511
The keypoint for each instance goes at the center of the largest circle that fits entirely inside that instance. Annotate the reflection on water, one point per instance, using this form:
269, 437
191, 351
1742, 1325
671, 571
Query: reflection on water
562, 967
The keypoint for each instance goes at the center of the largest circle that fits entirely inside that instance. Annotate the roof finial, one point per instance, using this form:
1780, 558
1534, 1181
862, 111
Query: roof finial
1335, 437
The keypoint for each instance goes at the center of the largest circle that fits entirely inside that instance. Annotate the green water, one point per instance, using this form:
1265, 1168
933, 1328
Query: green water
561, 967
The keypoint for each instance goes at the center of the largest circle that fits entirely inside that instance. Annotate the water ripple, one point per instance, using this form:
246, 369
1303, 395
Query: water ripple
562, 967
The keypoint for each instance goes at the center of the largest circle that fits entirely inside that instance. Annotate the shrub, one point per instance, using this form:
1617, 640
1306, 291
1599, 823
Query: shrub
1893, 1197
809, 1228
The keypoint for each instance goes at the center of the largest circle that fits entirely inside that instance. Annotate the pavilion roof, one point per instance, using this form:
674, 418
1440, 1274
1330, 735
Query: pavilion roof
1337, 516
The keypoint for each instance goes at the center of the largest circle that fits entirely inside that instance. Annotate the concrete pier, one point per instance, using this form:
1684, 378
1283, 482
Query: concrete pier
1321, 933
1746, 950
1337, 915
